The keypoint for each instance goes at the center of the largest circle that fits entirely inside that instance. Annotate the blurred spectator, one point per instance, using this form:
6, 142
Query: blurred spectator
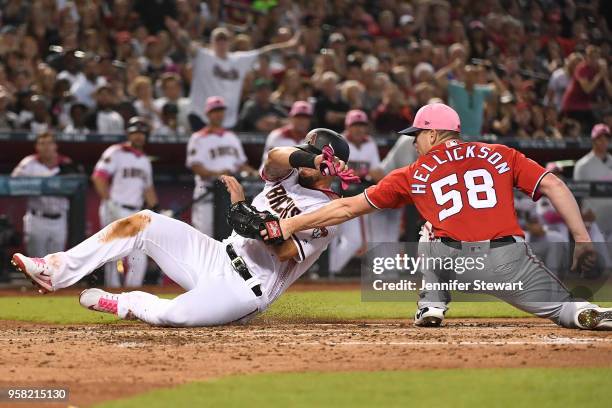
217, 71
393, 114
169, 125
597, 166
287, 92
579, 98
78, 117
294, 132
560, 80
103, 118
330, 109
8, 119
142, 90
84, 86
171, 89
260, 113
40, 120
468, 97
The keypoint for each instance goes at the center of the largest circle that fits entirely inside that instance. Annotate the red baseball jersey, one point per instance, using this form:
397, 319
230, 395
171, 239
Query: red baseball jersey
464, 189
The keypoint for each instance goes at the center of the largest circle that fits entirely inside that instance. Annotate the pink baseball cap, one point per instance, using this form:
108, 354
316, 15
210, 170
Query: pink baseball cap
600, 129
301, 108
435, 116
355, 116
214, 102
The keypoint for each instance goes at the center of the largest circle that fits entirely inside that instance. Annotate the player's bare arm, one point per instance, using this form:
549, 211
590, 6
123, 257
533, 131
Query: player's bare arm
334, 213
287, 250
291, 43
101, 186
564, 202
181, 36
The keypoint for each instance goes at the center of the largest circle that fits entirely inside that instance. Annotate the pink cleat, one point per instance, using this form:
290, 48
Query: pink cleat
99, 300
35, 269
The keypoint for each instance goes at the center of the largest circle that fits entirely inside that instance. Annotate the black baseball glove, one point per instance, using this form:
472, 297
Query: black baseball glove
248, 222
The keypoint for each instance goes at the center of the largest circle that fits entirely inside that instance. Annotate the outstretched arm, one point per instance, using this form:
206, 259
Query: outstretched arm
564, 202
293, 42
334, 213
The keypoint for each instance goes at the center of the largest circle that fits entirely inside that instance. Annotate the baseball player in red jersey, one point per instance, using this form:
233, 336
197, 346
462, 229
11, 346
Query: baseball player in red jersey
465, 190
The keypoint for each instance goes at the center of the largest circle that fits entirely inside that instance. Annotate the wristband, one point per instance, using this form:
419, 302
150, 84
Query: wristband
300, 158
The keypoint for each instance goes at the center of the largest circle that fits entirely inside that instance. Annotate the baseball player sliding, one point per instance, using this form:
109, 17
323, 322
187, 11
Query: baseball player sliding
123, 178
229, 281
465, 190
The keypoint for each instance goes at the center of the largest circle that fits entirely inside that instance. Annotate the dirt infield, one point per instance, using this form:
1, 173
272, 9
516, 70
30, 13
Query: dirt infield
103, 362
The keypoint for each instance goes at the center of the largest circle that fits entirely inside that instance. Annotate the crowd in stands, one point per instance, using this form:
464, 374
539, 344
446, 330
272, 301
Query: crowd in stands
529, 69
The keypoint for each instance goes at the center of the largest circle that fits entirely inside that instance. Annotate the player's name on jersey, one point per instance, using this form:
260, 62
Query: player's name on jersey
423, 172
477, 285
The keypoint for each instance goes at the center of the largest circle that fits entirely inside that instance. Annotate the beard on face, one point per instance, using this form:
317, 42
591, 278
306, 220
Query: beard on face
307, 180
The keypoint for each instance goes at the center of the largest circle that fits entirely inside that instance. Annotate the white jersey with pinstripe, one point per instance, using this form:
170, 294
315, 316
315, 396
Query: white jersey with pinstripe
286, 198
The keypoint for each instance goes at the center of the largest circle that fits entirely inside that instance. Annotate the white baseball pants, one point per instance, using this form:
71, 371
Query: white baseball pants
134, 263
216, 294
44, 235
202, 217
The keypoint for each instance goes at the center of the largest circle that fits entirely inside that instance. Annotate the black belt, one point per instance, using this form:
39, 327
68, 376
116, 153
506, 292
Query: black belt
129, 207
51, 216
241, 268
497, 242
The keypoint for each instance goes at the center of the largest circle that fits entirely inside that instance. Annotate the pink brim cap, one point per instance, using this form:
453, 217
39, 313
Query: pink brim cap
214, 102
355, 116
600, 129
435, 116
301, 108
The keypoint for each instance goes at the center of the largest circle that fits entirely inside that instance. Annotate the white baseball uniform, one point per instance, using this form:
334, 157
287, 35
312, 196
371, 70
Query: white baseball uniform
281, 137
213, 76
356, 233
129, 173
216, 293
44, 223
216, 151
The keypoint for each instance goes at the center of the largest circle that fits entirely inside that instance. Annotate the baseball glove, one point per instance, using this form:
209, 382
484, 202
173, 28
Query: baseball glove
248, 222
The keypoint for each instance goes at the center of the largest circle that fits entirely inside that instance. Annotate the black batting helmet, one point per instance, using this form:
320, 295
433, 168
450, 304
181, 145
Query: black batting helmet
317, 138
138, 124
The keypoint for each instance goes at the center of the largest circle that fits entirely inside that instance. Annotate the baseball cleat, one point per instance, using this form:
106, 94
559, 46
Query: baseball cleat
99, 300
36, 270
429, 316
596, 318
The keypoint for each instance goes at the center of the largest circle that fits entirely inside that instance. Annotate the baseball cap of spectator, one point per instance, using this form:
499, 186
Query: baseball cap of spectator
336, 37
423, 67
261, 83
600, 129
220, 33
102, 87
476, 25
436, 116
406, 19
214, 103
354, 117
301, 108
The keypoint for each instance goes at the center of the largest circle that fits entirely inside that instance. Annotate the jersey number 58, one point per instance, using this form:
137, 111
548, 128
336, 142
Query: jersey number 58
485, 186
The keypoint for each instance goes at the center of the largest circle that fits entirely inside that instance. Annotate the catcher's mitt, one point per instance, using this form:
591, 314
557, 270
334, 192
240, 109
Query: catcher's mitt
248, 222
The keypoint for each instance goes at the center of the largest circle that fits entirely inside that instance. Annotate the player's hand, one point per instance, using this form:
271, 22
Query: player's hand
233, 188
284, 230
328, 164
584, 256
